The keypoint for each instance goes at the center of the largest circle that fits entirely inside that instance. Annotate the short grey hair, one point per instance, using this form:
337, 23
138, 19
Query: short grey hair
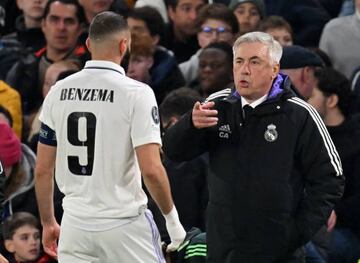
274, 48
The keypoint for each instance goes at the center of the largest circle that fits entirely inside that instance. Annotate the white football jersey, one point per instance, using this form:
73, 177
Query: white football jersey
99, 116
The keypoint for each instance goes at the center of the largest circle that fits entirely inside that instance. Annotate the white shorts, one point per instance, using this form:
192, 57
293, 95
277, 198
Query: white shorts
135, 242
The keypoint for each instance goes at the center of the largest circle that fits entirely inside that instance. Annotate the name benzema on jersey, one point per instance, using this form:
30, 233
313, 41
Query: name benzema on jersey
87, 94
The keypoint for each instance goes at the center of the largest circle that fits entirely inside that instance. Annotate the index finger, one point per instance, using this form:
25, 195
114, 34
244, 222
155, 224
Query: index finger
207, 105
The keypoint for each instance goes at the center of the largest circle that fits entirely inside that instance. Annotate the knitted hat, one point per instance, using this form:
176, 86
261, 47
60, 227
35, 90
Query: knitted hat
258, 3
10, 146
299, 57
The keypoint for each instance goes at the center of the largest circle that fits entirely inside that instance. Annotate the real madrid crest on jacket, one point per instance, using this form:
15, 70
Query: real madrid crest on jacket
260, 168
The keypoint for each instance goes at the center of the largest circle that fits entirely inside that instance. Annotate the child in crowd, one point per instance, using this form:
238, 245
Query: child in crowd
249, 14
279, 28
21, 232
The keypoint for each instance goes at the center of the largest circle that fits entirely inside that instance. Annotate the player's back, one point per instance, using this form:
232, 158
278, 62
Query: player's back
99, 116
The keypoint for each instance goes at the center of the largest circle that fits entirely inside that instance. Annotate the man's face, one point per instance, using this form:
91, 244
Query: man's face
184, 16
139, 27
32, 8
318, 100
303, 79
253, 70
95, 7
139, 67
281, 35
248, 17
214, 30
25, 243
214, 70
61, 27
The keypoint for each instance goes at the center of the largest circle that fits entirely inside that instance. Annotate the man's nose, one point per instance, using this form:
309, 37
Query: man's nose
214, 36
245, 69
192, 14
207, 68
61, 24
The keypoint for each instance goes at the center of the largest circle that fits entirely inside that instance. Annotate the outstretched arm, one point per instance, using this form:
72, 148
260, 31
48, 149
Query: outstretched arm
187, 138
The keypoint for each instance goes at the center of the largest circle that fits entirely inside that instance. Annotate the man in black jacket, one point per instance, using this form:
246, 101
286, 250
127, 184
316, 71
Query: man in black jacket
332, 98
276, 174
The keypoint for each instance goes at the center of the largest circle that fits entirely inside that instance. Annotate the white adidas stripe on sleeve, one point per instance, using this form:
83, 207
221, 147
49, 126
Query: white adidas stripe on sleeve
334, 156
221, 93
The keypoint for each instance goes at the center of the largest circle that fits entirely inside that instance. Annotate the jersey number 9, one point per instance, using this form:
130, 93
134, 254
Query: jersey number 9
73, 136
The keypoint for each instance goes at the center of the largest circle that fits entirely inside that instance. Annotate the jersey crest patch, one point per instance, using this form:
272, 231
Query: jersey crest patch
155, 115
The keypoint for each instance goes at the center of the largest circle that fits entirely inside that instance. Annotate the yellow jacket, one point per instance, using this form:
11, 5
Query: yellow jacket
11, 100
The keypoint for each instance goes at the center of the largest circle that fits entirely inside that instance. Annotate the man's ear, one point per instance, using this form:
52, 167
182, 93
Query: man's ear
332, 101
151, 63
43, 25
276, 70
171, 13
9, 245
19, 4
155, 40
123, 46
87, 42
173, 120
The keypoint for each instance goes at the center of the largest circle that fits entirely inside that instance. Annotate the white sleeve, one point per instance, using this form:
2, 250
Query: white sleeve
145, 123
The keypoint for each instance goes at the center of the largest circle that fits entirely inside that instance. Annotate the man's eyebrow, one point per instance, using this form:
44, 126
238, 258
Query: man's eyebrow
61, 17
253, 57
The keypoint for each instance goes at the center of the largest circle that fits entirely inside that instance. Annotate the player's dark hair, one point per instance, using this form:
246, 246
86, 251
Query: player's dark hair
106, 24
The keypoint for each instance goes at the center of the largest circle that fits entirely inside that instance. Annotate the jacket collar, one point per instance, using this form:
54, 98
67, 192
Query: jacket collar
281, 86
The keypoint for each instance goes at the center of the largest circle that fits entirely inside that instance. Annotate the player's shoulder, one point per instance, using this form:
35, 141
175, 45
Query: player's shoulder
300, 110
137, 89
135, 84
299, 104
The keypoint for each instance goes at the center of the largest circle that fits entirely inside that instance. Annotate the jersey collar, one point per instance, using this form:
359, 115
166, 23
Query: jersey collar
105, 65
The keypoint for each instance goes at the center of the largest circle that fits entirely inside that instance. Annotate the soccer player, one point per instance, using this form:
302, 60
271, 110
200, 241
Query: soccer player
102, 129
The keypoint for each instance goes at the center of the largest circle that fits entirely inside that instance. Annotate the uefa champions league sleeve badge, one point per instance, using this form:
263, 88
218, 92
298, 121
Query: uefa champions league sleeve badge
271, 133
155, 115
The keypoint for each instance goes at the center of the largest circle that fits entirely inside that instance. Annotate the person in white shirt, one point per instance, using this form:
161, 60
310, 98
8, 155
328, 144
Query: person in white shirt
100, 130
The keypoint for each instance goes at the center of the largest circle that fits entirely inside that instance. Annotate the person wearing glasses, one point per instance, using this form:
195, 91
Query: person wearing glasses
215, 23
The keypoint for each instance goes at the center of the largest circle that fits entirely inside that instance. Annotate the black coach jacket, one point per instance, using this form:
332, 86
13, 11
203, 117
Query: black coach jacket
277, 175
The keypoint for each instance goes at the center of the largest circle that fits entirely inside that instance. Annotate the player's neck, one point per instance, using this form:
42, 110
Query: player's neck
116, 60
